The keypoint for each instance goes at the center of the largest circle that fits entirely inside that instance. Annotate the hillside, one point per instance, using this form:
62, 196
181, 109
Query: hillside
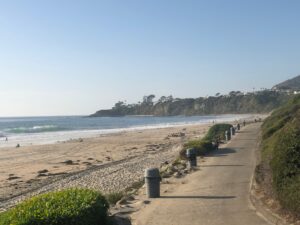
291, 84
234, 102
279, 171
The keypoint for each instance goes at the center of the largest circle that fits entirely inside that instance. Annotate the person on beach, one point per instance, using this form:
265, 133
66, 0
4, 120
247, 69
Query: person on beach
244, 123
6, 139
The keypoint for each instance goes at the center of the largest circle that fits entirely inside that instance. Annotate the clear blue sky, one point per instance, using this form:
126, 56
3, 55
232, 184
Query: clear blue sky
61, 57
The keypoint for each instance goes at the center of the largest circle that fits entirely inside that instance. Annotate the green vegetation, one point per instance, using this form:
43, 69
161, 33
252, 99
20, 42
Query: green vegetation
281, 151
204, 146
217, 132
68, 207
234, 102
201, 147
114, 197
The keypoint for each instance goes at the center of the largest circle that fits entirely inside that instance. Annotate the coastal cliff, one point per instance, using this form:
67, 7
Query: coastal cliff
234, 102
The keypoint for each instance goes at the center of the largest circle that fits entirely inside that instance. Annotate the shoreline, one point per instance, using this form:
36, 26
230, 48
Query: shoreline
106, 163
45, 138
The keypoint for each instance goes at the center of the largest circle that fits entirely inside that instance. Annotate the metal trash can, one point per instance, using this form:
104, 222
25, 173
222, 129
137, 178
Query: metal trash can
152, 181
192, 157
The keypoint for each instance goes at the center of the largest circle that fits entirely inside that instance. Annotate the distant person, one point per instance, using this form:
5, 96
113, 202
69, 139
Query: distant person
244, 123
238, 126
6, 139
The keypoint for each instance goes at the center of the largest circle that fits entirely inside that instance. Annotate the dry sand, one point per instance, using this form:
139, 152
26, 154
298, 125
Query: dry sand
106, 163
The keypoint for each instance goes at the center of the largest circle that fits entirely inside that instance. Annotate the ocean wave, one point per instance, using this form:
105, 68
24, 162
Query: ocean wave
34, 129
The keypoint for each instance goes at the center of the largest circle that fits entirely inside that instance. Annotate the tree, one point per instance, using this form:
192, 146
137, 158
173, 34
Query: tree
162, 99
170, 98
119, 105
148, 99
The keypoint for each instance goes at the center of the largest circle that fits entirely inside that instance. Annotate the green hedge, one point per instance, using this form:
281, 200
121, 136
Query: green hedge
281, 151
68, 207
201, 146
217, 131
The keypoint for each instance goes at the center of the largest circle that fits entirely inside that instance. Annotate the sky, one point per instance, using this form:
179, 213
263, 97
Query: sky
74, 57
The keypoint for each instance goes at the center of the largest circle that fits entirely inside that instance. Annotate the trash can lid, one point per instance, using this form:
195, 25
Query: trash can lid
152, 172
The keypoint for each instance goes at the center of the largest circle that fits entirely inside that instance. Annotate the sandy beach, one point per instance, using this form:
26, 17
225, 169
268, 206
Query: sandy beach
106, 163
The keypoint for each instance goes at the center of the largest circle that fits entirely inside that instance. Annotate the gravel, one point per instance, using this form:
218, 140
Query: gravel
112, 177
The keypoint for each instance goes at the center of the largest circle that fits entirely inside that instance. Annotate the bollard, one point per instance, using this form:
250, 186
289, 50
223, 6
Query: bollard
192, 157
231, 131
152, 181
227, 136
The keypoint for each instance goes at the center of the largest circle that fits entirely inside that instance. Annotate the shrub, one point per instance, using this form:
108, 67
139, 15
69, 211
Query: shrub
201, 147
114, 197
217, 131
285, 165
67, 207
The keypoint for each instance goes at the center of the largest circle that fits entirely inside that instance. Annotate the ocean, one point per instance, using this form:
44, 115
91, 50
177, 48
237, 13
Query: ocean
46, 130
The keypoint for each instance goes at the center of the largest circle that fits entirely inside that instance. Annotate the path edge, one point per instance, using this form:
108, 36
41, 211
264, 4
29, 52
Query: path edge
260, 208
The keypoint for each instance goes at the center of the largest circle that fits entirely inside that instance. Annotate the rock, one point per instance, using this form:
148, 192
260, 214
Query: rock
186, 171
13, 178
165, 163
177, 174
181, 167
43, 171
68, 162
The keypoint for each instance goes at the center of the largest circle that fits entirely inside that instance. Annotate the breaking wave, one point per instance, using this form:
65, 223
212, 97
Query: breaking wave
34, 129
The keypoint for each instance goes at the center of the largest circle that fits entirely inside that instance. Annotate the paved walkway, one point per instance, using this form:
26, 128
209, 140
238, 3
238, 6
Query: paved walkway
216, 194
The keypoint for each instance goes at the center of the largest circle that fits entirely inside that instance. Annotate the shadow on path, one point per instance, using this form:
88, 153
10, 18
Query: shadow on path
221, 152
219, 165
199, 197
247, 139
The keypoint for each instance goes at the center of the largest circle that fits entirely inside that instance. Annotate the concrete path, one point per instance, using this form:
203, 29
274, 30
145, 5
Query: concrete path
218, 193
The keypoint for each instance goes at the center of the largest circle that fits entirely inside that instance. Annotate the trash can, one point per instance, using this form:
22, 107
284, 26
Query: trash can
192, 157
152, 181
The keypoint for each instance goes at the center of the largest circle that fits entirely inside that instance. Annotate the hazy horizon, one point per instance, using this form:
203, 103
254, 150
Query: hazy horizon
61, 58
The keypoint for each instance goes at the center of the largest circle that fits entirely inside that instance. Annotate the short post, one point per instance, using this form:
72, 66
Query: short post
227, 137
231, 131
152, 181
192, 157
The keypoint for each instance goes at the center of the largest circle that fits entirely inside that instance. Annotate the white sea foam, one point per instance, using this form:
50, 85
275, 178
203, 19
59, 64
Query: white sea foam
35, 138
